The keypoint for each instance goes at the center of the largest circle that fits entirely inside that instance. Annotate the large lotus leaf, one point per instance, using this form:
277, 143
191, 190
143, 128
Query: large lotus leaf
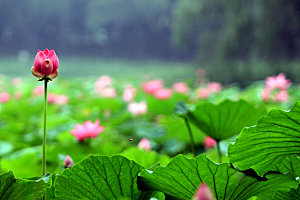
221, 121
182, 176
272, 145
100, 177
15, 188
50, 191
291, 195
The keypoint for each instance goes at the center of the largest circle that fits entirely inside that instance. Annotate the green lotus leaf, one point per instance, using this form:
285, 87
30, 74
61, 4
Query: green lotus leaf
101, 177
220, 121
182, 176
25, 189
272, 145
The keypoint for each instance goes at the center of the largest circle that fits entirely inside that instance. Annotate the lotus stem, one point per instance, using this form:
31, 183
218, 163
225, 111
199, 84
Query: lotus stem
45, 131
191, 135
219, 151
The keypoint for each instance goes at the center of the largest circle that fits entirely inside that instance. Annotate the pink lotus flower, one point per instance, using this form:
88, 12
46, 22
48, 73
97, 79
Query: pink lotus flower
209, 142
152, 86
51, 98
163, 94
87, 130
129, 93
38, 91
266, 94
181, 87
68, 162
17, 81
103, 82
57, 99
145, 144
45, 64
4, 97
61, 99
277, 82
137, 108
203, 93
108, 92
282, 96
203, 193
214, 87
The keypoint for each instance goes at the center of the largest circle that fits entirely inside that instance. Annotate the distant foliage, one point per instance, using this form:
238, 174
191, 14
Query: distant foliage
231, 33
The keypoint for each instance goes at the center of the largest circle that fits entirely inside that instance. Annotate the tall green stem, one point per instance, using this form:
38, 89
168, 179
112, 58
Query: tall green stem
45, 127
219, 151
191, 135
45, 130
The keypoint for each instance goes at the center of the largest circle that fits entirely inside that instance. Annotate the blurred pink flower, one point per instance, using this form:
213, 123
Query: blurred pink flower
57, 99
18, 95
4, 97
61, 99
108, 92
277, 82
282, 96
137, 108
203, 193
152, 86
145, 144
163, 94
68, 162
51, 98
181, 87
203, 93
103, 82
266, 94
17, 81
38, 91
214, 87
129, 93
87, 130
209, 142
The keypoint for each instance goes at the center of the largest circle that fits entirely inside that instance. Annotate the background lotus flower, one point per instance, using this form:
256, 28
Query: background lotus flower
4, 97
145, 144
266, 94
209, 142
45, 64
282, 96
103, 82
276, 88
38, 91
68, 162
57, 99
152, 86
277, 82
87, 130
61, 99
202, 93
51, 98
181, 87
163, 94
108, 92
129, 93
204, 193
137, 108
214, 87
17, 81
